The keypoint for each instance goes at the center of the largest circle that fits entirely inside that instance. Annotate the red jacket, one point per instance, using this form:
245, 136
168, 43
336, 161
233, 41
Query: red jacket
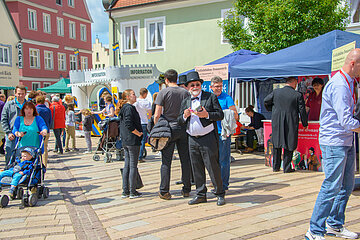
59, 118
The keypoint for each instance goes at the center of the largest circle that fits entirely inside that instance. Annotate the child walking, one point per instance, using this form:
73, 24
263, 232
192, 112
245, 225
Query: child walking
70, 128
87, 127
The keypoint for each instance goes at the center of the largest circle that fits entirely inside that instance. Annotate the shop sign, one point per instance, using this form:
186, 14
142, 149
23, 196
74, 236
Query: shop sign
98, 75
20, 55
339, 55
141, 72
209, 71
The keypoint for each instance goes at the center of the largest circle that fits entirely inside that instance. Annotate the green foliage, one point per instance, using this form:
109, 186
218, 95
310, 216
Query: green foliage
277, 24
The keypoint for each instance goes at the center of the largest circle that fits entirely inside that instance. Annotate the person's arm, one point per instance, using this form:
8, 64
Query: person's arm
5, 123
158, 112
216, 114
41, 125
236, 114
268, 101
99, 112
112, 112
16, 126
129, 122
302, 110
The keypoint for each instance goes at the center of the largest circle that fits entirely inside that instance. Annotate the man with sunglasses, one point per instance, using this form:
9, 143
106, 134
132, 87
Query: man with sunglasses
199, 114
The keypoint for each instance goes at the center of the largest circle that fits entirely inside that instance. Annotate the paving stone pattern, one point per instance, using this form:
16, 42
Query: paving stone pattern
85, 203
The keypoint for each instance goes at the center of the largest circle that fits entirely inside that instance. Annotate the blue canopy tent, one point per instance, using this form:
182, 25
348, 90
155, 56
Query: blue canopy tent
312, 57
232, 59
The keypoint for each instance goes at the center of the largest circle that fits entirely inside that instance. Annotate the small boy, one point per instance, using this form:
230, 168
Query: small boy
22, 167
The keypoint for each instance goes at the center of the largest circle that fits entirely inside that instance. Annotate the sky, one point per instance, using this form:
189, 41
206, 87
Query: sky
100, 25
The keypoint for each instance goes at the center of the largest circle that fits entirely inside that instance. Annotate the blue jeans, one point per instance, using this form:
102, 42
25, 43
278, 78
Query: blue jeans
224, 160
143, 141
9, 173
339, 165
9, 147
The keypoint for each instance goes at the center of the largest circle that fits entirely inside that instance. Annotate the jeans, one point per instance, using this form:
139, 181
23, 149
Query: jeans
130, 168
180, 138
339, 168
10, 173
88, 140
9, 147
143, 141
224, 160
58, 145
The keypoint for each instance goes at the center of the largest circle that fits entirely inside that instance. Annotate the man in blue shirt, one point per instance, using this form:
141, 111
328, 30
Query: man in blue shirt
226, 102
336, 138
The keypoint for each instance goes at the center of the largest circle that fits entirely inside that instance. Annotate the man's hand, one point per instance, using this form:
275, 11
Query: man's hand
187, 113
11, 136
21, 172
43, 132
203, 113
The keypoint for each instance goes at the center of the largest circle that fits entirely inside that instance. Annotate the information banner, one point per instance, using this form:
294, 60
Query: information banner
339, 55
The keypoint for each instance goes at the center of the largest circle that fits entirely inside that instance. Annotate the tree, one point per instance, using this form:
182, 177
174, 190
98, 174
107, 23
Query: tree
277, 24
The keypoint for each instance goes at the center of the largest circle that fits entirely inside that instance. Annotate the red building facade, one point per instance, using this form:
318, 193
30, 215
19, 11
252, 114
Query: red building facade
51, 31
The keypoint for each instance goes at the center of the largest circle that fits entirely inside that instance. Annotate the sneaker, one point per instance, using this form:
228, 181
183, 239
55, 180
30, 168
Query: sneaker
75, 149
67, 150
340, 232
135, 195
310, 236
125, 195
185, 194
165, 196
141, 160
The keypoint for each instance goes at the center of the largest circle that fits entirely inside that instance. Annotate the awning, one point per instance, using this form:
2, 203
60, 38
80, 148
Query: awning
7, 88
59, 87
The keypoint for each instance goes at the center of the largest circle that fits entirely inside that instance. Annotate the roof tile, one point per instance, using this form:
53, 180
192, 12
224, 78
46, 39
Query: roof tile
129, 3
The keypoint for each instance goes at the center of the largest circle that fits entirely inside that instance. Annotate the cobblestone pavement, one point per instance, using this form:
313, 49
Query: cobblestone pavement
85, 203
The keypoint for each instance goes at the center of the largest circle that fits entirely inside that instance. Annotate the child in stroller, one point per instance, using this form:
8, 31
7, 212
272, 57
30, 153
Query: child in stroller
21, 167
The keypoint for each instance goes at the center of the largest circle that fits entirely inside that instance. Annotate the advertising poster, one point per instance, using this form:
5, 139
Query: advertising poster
309, 153
209, 71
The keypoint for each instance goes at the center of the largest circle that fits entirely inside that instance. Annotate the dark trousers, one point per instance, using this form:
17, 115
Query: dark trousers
58, 143
287, 159
130, 168
204, 153
250, 136
178, 137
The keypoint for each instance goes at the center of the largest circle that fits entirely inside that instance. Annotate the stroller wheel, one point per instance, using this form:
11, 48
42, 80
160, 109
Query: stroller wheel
39, 192
20, 193
107, 157
4, 200
96, 157
33, 200
25, 200
46, 192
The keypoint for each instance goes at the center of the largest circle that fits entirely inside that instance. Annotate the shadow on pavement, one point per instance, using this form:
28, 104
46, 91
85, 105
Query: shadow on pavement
253, 199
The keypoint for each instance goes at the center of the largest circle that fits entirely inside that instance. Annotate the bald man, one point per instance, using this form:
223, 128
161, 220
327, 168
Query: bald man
337, 127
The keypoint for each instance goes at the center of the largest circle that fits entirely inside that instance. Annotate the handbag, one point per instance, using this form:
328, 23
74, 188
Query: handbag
139, 183
52, 120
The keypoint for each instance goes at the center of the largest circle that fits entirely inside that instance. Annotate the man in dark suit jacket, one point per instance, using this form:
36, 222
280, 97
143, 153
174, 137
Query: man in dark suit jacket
199, 113
285, 104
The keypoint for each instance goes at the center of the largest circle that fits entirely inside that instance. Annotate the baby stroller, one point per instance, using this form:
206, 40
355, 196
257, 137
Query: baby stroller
109, 141
31, 187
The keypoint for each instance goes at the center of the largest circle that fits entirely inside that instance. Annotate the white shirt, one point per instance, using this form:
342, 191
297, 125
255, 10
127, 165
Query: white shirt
195, 126
143, 106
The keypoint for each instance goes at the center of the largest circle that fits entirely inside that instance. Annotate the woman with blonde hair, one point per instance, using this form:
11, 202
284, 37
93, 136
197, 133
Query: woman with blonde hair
131, 135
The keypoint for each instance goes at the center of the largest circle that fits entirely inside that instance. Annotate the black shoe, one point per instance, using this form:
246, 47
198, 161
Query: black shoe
185, 194
276, 170
290, 171
192, 183
197, 200
220, 201
135, 195
179, 182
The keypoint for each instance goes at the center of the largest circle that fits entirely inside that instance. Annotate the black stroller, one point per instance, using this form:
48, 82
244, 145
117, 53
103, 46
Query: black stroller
110, 141
31, 186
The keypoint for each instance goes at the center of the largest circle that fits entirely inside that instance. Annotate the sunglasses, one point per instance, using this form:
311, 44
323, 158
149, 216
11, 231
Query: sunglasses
195, 85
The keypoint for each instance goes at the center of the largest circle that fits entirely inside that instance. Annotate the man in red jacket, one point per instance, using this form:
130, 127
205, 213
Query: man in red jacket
59, 121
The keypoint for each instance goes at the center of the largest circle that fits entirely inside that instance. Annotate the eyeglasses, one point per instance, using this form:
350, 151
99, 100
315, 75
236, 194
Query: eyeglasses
217, 86
195, 85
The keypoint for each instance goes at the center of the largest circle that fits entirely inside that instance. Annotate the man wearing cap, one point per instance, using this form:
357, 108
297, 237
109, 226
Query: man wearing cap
199, 114
168, 104
182, 81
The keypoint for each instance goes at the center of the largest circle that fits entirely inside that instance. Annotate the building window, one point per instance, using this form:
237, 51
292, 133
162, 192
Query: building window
84, 63
35, 86
97, 57
62, 61
227, 14
103, 65
46, 84
4, 55
49, 60
47, 23
59, 2
155, 33
71, 3
34, 58
32, 19
72, 33
60, 26
130, 33
72, 62
83, 32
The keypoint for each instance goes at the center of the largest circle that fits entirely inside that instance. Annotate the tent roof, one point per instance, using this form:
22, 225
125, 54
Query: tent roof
59, 87
312, 57
233, 59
